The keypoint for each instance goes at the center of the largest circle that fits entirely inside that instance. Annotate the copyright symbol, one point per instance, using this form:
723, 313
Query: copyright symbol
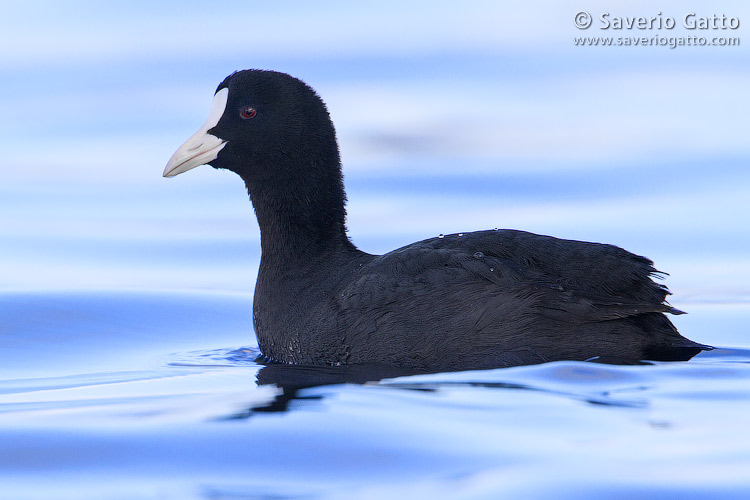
583, 20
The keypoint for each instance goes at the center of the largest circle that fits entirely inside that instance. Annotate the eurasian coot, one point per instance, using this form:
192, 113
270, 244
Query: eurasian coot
462, 301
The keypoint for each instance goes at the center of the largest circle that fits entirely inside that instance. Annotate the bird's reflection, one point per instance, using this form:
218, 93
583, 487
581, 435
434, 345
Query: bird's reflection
292, 380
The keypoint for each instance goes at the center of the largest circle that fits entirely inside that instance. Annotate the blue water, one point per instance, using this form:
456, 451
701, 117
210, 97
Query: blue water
126, 342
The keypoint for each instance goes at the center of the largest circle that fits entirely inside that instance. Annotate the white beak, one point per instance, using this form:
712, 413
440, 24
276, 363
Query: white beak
202, 147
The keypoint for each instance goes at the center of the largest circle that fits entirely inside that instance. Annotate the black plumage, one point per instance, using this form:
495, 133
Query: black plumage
474, 300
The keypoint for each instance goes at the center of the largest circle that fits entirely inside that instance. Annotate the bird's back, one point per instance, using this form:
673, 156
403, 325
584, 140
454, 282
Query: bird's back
501, 298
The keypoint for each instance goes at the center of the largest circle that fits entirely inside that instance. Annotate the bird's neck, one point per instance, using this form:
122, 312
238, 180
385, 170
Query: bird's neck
300, 219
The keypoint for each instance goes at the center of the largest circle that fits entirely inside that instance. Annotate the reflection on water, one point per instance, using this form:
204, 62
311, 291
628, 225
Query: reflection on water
589, 382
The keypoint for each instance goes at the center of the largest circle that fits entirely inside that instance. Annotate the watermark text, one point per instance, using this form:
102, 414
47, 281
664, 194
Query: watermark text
690, 29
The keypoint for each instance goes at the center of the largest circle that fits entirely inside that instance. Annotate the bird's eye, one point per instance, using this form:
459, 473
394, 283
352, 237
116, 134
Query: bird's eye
248, 112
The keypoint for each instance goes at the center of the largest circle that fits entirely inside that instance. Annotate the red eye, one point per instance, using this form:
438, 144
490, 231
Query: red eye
248, 112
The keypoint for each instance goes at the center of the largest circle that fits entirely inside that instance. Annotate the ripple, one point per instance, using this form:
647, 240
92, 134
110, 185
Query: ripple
226, 357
